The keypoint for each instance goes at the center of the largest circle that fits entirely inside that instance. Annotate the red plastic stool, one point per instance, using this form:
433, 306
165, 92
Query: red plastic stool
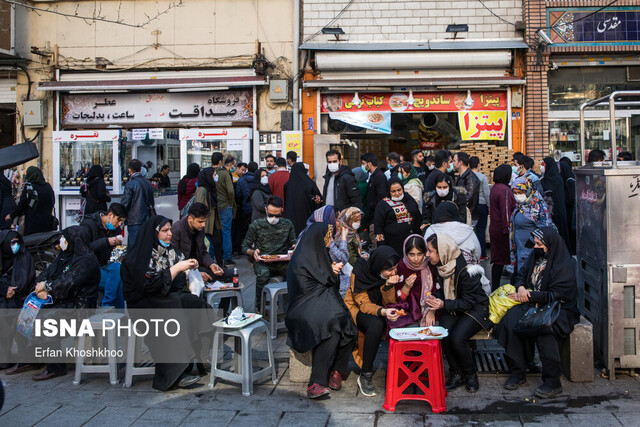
417, 363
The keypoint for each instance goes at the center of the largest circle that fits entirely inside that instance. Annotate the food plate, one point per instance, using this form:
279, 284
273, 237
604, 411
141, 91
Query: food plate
218, 286
413, 334
250, 318
274, 258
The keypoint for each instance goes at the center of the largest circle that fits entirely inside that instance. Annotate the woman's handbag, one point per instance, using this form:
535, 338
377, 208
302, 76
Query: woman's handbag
539, 320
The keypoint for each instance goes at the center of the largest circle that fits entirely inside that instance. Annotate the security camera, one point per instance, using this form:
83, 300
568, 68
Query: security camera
544, 38
553, 66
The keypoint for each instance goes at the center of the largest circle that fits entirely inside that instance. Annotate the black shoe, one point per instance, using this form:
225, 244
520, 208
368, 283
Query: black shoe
229, 263
454, 381
533, 368
187, 380
547, 392
514, 382
472, 383
365, 383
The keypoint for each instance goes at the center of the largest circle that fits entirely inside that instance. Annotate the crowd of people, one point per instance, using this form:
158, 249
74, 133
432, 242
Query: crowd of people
375, 243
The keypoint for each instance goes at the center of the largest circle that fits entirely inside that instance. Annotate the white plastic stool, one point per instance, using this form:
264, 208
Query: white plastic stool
111, 367
134, 344
246, 376
213, 296
271, 292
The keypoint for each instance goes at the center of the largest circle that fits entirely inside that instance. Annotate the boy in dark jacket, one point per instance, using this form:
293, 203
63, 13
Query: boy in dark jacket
138, 199
470, 182
377, 188
344, 191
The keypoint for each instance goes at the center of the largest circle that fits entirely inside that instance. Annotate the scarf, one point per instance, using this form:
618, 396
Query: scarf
34, 175
448, 252
346, 218
413, 174
425, 276
206, 181
325, 215
367, 272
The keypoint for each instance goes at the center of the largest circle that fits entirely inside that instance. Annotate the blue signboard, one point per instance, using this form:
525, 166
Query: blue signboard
580, 26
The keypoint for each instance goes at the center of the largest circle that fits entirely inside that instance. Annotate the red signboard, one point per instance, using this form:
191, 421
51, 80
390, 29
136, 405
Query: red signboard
422, 102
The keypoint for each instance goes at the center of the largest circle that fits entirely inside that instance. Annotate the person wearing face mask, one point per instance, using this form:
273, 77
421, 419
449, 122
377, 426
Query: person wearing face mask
272, 235
548, 274
502, 203
187, 185
207, 194
444, 191
377, 189
105, 233
418, 163
553, 186
95, 191
153, 275
372, 287
408, 175
260, 193
349, 220
17, 279
138, 200
523, 166
279, 178
463, 308
393, 160
301, 196
531, 212
396, 217
226, 206
340, 186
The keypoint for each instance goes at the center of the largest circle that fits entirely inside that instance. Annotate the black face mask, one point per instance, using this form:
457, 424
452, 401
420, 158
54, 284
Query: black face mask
539, 252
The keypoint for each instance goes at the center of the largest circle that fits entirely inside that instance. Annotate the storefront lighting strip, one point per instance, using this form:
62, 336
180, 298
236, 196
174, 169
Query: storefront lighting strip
197, 89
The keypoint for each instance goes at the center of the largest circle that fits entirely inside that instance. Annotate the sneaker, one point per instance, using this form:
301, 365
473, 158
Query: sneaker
514, 382
547, 392
187, 380
316, 390
229, 263
335, 380
365, 383
472, 383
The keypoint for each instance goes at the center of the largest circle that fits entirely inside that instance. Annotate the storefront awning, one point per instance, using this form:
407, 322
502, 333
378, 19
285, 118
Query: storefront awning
434, 83
426, 45
170, 84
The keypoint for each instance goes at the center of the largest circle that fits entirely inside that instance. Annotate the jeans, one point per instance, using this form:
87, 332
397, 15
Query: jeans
215, 246
226, 218
481, 228
133, 232
111, 282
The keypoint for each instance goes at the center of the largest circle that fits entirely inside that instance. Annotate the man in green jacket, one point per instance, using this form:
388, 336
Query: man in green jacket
226, 201
272, 235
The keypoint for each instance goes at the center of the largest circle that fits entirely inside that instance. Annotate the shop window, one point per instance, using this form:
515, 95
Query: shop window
564, 137
76, 158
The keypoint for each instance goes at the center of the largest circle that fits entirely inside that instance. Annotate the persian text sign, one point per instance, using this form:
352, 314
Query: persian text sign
292, 141
158, 108
483, 125
615, 25
422, 101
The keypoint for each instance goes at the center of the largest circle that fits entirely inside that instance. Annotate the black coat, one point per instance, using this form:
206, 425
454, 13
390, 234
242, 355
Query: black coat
99, 236
40, 218
7, 205
434, 201
345, 190
386, 223
377, 189
181, 239
470, 182
138, 199
298, 193
19, 271
552, 182
97, 197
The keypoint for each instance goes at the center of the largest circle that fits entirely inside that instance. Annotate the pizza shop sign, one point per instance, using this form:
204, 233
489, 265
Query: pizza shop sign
422, 102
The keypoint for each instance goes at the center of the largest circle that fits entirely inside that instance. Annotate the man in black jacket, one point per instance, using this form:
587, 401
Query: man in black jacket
376, 188
106, 232
442, 162
340, 186
469, 181
138, 199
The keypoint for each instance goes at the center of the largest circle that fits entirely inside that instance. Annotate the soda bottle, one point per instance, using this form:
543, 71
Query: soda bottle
236, 280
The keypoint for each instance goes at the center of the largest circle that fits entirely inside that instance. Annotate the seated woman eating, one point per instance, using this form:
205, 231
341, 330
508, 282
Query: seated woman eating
463, 306
153, 277
548, 274
372, 287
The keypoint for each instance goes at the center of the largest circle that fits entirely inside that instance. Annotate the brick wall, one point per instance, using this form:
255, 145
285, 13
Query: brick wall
405, 21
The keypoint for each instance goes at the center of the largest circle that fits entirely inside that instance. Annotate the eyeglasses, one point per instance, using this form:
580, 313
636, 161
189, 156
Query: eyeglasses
274, 216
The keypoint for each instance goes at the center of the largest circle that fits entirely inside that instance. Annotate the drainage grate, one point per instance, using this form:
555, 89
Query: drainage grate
490, 362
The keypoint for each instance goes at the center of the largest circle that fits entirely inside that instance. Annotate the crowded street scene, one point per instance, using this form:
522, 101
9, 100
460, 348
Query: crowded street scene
319, 212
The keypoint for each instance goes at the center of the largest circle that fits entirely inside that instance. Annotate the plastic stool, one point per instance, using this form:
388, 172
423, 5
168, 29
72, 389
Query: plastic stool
212, 296
111, 367
244, 369
134, 344
271, 292
417, 363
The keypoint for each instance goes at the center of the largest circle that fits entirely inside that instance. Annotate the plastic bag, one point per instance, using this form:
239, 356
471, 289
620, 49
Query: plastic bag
236, 316
500, 303
194, 279
29, 312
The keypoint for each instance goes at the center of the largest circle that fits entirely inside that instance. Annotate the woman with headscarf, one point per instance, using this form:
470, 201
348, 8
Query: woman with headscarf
207, 194
7, 202
566, 171
187, 185
17, 279
260, 194
445, 220
502, 204
552, 183
463, 306
299, 197
412, 184
349, 220
36, 203
72, 280
548, 275
396, 217
317, 319
372, 287
418, 281
153, 276
530, 213
444, 191
95, 191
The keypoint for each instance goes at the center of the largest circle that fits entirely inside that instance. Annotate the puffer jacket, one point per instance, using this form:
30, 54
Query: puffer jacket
99, 240
243, 192
345, 191
138, 199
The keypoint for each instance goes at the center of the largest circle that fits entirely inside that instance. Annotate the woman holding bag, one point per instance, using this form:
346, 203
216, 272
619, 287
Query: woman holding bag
547, 275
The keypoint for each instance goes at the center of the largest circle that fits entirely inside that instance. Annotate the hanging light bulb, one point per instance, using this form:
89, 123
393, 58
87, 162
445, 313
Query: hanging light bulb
410, 99
356, 99
468, 102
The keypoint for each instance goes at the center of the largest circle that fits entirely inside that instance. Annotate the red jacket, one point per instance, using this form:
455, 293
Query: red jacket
183, 198
277, 180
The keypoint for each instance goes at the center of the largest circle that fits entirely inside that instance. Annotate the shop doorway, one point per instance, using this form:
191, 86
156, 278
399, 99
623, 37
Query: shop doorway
7, 125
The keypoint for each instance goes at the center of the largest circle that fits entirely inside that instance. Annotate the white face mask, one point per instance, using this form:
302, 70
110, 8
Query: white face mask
264, 180
215, 178
442, 193
432, 167
273, 220
542, 170
398, 199
355, 225
333, 167
520, 198
63, 243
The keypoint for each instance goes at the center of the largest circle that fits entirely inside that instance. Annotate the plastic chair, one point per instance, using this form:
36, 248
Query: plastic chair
134, 344
111, 367
417, 363
272, 293
244, 373
213, 296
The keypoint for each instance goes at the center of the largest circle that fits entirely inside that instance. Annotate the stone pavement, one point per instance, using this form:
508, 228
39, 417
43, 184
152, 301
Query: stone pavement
97, 403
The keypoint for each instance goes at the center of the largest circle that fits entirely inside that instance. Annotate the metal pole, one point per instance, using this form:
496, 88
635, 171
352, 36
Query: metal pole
582, 135
612, 132
295, 99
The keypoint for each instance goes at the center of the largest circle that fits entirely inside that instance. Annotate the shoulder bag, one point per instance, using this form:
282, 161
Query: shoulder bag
539, 320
